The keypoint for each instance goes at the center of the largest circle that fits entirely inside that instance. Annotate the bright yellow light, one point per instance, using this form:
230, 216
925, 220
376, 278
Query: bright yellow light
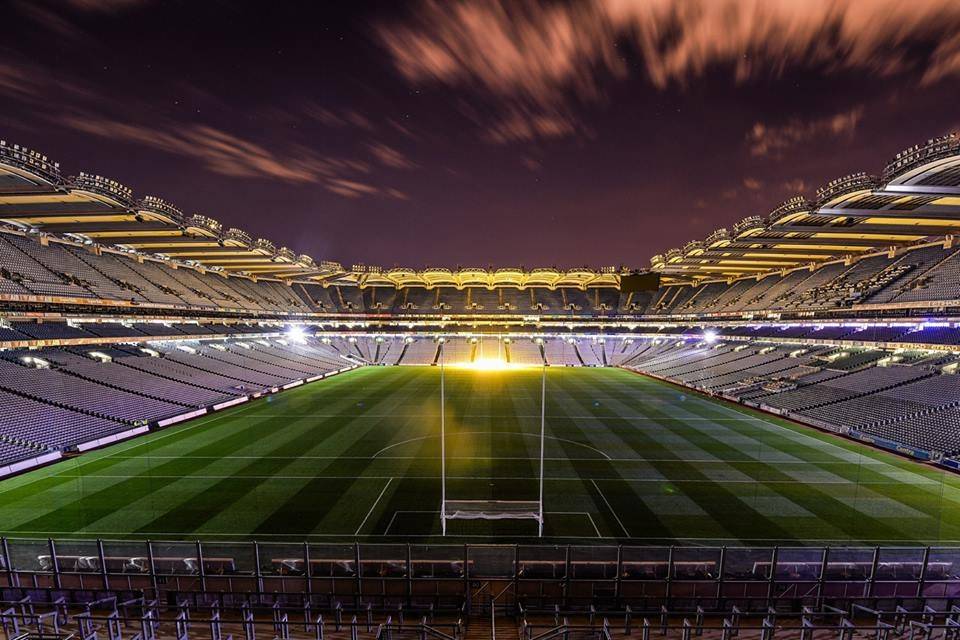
489, 364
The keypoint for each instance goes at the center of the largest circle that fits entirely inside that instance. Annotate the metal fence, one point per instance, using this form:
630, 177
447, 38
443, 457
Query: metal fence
442, 576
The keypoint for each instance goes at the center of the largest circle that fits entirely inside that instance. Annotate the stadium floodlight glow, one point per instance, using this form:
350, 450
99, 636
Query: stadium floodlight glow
710, 336
489, 364
296, 333
38, 363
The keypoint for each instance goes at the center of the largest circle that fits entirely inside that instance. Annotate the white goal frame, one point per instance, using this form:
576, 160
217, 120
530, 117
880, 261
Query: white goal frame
489, 509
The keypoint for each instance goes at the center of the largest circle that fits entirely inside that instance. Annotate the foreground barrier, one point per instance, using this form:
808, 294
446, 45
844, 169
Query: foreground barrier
440, 576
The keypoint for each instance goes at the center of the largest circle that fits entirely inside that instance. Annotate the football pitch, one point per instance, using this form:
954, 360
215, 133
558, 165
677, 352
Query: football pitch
357, 457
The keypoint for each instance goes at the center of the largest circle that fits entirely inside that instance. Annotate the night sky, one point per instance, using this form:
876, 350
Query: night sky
474, 133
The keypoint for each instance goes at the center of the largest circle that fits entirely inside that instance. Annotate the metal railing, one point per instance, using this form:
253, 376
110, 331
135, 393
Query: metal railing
538, 575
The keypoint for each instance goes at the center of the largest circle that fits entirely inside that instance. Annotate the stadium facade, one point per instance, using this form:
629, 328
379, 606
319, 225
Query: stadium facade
122, 316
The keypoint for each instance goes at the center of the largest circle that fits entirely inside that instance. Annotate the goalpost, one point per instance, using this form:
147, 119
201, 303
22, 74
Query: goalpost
455, 509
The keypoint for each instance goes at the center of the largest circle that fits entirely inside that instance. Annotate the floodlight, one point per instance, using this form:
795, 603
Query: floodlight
296, 333
710, 336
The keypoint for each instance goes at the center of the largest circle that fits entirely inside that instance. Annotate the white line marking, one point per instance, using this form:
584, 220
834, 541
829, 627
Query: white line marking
559, 416
590, 517
373, 506
723, 461
721, 481
512, 433
607, 502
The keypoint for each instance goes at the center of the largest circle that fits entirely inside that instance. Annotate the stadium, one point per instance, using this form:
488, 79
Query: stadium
207, 435
191, 412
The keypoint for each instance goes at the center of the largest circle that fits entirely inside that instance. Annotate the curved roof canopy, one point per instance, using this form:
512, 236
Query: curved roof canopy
35, 195
917, 196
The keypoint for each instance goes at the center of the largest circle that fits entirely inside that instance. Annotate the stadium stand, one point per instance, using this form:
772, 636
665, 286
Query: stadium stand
61, 397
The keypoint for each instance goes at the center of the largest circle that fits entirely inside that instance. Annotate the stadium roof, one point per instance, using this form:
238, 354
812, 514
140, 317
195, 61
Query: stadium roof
35, 195
917, 196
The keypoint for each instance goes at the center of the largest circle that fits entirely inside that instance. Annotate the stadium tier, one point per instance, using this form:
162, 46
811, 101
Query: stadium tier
41, 271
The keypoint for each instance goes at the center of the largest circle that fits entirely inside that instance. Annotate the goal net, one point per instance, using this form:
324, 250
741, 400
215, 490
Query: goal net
492, 510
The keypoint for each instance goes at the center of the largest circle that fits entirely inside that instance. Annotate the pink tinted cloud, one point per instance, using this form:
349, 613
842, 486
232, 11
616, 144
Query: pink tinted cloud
230, 155
389, 157
544, 55
771, 140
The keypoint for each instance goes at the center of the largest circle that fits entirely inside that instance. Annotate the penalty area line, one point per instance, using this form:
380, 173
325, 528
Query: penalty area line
373, 506
609, 506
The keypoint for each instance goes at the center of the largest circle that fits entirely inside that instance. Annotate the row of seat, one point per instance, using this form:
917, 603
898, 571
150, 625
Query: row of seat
58, 397
907, 398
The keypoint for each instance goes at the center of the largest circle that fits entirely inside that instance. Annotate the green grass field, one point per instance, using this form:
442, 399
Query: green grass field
357, 456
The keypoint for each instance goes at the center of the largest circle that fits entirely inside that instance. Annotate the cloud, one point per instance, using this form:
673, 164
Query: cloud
331, 118
531, 164
797, 185
217, 150
946, 61
59, 16
356, 189
772, 140
390, 157
752, 184
524, 125
33, 85
230, 155
547, 57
